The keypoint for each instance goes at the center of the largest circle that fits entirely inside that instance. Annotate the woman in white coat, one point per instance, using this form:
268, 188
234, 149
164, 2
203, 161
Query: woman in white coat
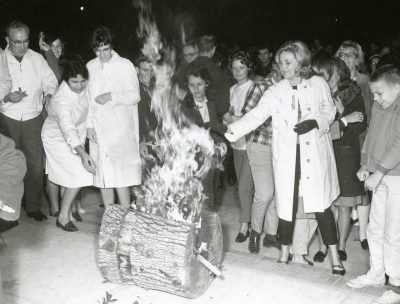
113, 127
302, 111
64, 135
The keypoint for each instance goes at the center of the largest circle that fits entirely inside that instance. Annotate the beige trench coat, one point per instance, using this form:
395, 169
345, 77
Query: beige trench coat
319, 181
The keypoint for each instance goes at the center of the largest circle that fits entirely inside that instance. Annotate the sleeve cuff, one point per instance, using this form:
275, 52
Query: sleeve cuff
344, 121
382, 169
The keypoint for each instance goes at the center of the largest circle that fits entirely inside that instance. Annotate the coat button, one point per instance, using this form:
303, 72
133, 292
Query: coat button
308, 160
307, 177
308, 109
307, 143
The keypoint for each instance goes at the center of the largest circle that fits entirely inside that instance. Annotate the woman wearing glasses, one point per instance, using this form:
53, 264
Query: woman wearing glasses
352, 55
113, 125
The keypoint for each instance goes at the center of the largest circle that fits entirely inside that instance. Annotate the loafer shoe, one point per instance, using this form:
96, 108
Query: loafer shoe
37, 216
254, 242
270, 240
70, 227
241, 237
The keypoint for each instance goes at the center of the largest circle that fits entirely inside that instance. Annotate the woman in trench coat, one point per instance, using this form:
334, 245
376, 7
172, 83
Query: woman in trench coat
113, 128
302, 110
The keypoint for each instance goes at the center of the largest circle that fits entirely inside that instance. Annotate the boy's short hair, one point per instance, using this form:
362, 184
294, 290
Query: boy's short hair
206, 43
389, 73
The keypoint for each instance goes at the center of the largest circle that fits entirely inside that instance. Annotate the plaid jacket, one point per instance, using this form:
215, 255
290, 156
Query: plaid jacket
263, 134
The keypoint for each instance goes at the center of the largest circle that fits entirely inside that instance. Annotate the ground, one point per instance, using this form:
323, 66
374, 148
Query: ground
42, 264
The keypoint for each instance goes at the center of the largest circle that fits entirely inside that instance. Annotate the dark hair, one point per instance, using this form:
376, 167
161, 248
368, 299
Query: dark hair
142, 58
264, 46
192, 43
16, 25
244, 58
322, 65
74, 66
49, 38
102, 36
198, 71
343, 72
389, 73
206, 43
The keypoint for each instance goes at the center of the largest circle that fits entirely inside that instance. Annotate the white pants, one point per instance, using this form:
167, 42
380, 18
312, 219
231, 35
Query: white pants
304, 230
383, 232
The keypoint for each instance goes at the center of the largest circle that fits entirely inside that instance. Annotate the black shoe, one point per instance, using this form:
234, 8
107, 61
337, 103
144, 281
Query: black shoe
338, 269
320, 256
342, 255
241, 237
364, 244
352, 221
77, 216
271, 241
254, 242
70, 227
37, 216
231, 181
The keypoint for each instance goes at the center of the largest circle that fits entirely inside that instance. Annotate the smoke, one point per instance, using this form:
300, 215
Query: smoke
183, 153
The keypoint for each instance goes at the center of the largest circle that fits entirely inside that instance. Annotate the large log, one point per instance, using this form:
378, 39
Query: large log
157, 253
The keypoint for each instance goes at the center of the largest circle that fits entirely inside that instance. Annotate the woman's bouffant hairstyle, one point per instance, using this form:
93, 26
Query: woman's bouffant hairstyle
74, 66
302, 54
102, 36
244, 58
355, 47
198, 71
390, 73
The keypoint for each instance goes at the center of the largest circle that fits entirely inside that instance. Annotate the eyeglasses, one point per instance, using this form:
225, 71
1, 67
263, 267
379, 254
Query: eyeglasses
347, 55
190, 55
19, 42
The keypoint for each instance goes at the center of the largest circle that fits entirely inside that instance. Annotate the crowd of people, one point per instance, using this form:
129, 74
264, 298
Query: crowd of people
312, 140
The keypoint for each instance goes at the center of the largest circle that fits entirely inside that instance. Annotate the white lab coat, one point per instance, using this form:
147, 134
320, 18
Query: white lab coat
63, 130
116, 123
319, 181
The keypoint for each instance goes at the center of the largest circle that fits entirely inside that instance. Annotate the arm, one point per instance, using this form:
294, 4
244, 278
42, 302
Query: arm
53, 64
253, 118
391, 158
5, 78
62, 108
129, 93
48, 79
327, 112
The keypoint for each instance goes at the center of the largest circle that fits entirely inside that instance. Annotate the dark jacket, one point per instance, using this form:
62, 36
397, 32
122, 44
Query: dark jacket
218, 89
217, 129
147, 119
347, 148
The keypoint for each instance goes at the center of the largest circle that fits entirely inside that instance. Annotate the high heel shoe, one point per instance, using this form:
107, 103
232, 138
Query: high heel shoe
342, 255
70, 227
338, 269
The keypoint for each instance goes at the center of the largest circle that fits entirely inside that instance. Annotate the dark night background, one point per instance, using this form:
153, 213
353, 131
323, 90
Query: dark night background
234, 22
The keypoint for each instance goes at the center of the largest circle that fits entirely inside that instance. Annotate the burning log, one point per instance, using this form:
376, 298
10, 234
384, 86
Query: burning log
159, 253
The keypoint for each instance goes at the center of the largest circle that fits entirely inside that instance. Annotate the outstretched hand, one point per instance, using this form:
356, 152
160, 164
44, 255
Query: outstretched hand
305, 126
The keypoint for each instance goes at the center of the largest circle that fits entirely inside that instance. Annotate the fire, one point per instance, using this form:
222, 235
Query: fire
184, 152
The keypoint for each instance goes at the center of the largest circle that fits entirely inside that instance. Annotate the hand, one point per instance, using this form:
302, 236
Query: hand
103, 98
143, 150
339, 105
91, 135
223, 148
46, 99
16, 96
43, 45
305, 126
227, 118
373, 181
354, 117
362, 174
88, 163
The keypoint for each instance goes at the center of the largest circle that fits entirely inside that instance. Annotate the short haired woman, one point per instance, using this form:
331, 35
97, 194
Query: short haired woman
113, 125
64, 135
302, 110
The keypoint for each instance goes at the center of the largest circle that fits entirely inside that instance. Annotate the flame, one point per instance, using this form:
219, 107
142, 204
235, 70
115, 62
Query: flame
183, 152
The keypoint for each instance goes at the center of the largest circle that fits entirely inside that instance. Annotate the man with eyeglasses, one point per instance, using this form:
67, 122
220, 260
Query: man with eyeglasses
33, 84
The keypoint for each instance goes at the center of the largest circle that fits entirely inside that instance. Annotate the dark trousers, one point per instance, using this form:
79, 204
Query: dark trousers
326, 220
27, 138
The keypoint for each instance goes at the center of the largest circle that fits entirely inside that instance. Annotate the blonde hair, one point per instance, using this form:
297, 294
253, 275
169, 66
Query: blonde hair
302, 54
351, 44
